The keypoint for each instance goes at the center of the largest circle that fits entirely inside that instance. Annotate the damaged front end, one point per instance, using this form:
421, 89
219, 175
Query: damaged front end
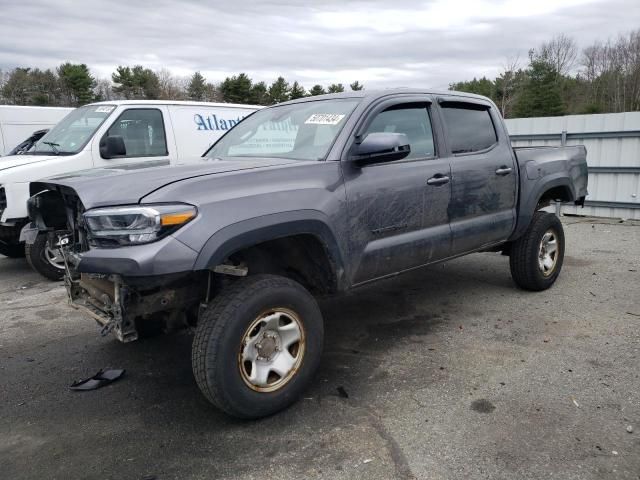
127, 306
131, 306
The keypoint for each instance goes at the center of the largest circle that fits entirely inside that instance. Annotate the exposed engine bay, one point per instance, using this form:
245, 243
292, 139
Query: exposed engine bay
124, 306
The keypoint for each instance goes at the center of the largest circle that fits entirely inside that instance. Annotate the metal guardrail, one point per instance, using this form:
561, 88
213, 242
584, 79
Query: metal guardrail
564, 136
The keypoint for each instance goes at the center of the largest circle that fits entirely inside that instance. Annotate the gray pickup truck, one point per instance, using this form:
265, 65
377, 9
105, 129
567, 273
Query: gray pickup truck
309, 197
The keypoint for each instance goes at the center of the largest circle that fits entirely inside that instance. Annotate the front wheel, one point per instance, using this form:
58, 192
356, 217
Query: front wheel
44, 259
536, 257
257, 345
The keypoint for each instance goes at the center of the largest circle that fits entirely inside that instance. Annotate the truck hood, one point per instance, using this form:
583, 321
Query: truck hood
18, 160
128, 184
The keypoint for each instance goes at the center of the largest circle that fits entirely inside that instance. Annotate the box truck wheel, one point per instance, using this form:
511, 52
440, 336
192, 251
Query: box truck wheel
257, 345
12, 250
45, 260
536, 257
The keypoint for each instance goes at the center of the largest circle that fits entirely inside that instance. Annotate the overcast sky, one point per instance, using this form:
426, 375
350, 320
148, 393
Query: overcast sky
380, 43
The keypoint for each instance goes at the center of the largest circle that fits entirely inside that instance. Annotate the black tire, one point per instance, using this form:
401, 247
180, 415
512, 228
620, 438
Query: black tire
219, 338
36, 256
525, 252
12, 251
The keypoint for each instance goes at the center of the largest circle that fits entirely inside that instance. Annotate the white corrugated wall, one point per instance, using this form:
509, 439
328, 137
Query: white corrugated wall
613, 156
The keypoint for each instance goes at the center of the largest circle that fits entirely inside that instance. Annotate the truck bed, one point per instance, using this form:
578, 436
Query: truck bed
561, 170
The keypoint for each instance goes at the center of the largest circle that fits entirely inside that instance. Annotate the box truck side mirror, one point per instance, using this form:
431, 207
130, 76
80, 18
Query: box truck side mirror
112, 146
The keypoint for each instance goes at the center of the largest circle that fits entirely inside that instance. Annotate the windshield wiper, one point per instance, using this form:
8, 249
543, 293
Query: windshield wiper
54, 146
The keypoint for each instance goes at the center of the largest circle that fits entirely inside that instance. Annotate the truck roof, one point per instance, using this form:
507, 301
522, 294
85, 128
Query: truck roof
371, 94
175, 102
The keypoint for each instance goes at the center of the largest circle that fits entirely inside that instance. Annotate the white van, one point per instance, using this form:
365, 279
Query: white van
106, 134
18, 123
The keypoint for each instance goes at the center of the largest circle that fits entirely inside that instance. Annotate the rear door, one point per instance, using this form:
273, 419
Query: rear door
398, 216
147, 137
483, 189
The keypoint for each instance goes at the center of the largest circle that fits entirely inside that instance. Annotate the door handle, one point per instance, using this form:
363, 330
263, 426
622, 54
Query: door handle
504, 170
438, 179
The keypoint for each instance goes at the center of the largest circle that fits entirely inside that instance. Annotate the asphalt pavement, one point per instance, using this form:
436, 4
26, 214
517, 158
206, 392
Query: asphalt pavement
449, 372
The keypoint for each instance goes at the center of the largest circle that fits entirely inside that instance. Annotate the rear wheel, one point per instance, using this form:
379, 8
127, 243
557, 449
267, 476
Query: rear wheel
257, 346
536, 257
44, 259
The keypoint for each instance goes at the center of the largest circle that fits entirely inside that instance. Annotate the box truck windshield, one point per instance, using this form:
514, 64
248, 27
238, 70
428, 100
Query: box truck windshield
73, 132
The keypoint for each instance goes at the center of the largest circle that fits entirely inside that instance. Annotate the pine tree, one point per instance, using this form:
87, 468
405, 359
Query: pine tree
279, 91
77, 82
316, 90
297, 91
259, 95
136, 83
197, 88
237, 89
541, 94
335, 88
482, 86
356, 86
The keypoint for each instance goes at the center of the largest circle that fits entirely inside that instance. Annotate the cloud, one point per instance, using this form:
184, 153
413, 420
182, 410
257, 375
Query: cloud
404, 43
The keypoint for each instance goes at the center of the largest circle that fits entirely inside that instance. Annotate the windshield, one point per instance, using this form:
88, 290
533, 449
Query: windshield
73, 132
300, 131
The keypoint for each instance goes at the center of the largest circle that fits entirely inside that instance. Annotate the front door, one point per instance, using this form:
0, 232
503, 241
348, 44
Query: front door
145, 134
398, 210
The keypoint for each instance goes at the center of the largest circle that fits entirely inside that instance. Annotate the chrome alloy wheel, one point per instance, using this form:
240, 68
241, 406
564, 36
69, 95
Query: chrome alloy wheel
548, 253
272, 350
54, 256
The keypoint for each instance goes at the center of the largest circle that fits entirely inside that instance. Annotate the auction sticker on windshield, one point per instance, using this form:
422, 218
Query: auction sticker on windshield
104, 109
324, 119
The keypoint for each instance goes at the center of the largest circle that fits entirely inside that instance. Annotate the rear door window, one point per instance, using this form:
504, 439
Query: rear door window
470, 128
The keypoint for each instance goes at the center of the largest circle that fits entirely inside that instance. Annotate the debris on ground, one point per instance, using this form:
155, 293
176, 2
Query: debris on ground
575, 402
342, 392
367, 460
100, 379
630, 429
482, 405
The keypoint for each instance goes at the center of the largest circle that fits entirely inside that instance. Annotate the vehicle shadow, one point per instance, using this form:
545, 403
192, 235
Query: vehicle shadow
361, 329
157, 416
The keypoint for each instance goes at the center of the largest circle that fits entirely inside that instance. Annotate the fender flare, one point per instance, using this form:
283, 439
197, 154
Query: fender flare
252, 231
528, 207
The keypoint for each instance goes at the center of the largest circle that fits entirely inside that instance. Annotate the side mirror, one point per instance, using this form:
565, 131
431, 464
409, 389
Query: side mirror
113, 146
381, 147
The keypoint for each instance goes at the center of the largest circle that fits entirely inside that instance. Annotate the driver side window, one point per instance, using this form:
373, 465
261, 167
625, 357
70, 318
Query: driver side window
412, 120
142, 130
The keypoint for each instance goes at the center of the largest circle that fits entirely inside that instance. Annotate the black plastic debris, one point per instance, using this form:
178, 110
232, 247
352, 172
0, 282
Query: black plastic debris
100, 379
342, 392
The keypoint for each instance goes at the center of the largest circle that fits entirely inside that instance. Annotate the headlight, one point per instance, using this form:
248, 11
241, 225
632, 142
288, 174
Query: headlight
134, 225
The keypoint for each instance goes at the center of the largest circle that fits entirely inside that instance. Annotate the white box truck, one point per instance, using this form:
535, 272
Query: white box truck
18, 123
106, 134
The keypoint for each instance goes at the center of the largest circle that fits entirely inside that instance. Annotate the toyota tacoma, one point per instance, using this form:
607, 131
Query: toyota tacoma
310, 197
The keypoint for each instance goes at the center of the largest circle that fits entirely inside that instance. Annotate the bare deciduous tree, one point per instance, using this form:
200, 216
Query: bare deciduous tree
508, 84
612, 70
171, 87
561, 52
